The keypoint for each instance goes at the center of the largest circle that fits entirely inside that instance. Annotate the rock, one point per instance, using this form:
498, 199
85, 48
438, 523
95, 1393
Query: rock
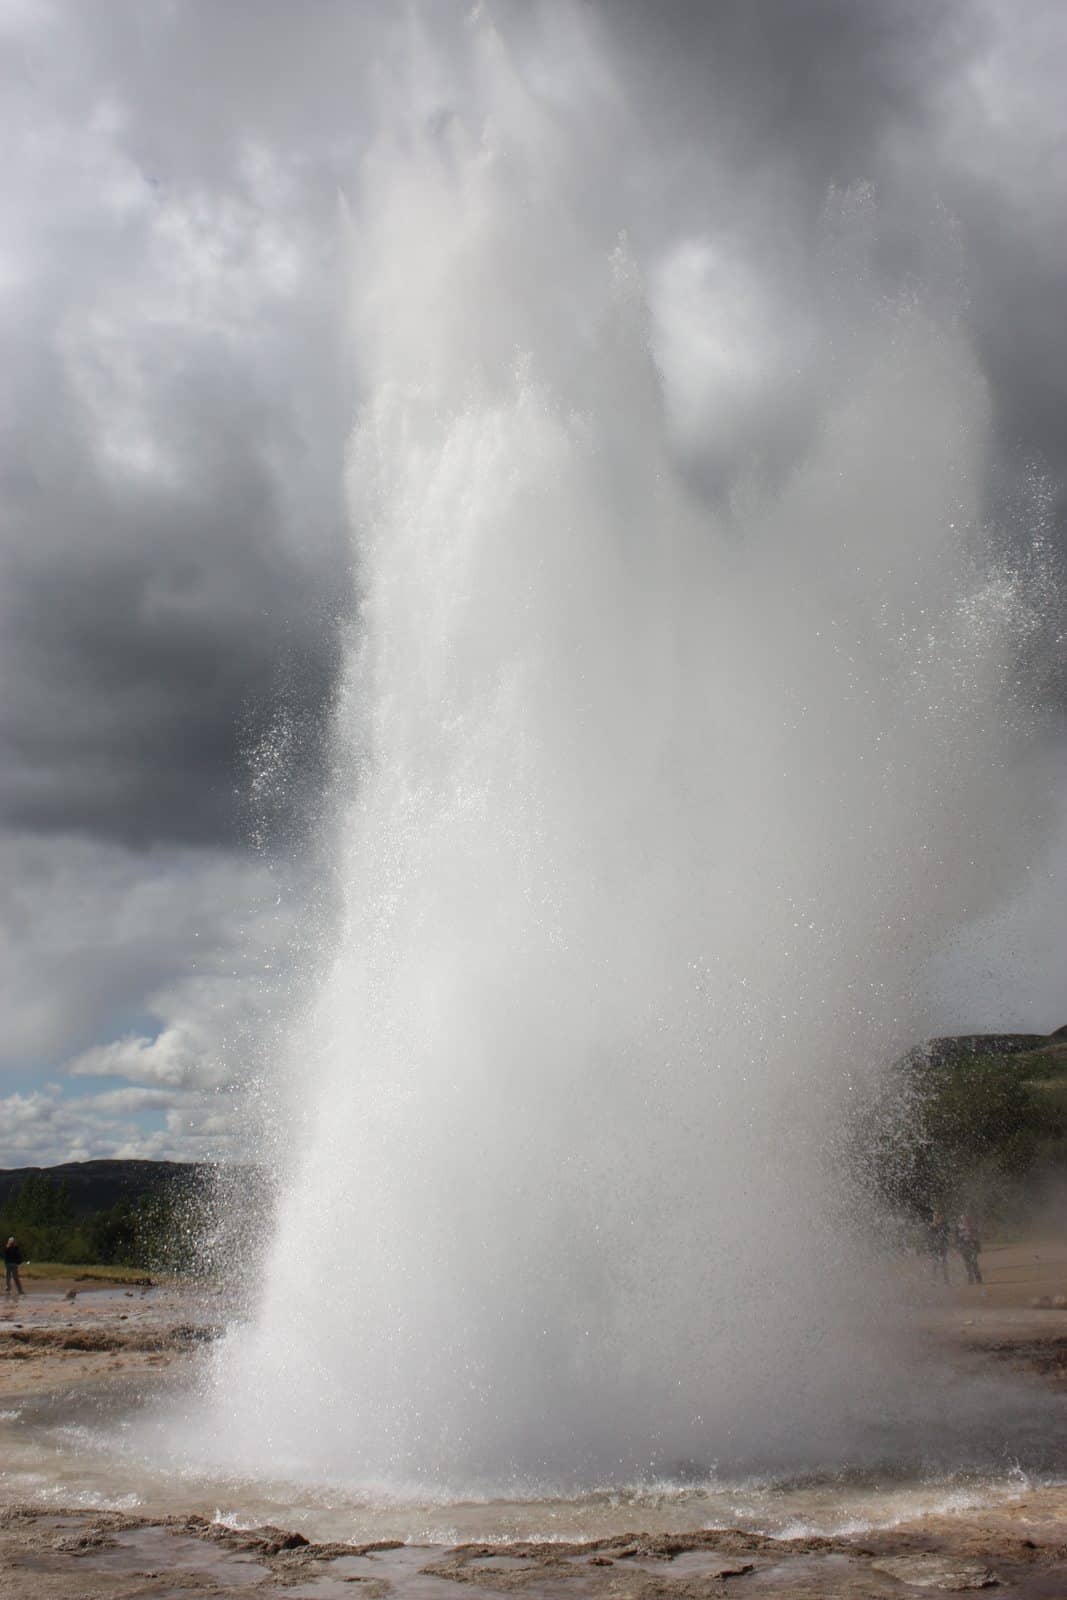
71, 1294
266, 1541
289, 1541
79, 1544
937, 1572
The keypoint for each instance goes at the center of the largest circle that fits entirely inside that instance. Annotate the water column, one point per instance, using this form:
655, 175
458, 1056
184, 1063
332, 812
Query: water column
647, 811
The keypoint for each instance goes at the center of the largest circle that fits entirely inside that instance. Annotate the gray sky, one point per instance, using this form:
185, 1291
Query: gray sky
179, 388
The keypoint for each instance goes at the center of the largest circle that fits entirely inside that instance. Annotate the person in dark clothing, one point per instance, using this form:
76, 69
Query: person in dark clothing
938, 1239
968, 1244
12, 1263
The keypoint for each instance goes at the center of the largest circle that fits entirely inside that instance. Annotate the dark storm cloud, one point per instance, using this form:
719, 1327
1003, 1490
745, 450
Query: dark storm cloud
805, 91
151, 629
173, 550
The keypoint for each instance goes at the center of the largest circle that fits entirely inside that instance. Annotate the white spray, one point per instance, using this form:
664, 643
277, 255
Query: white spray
648, 818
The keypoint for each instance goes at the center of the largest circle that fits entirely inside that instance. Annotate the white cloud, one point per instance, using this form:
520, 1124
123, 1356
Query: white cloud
196, 946
93, 935
44, 1126
177, 1055
122, 1102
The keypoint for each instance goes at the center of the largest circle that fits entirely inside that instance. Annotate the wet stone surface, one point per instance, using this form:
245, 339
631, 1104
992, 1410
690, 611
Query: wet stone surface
53, 1555
938, 1572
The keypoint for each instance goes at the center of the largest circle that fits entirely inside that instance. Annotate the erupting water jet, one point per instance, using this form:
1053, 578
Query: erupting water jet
648, 811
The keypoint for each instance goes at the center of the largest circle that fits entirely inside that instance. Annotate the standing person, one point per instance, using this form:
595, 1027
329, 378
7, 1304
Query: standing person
12, 1263
968, 1244
938, 1236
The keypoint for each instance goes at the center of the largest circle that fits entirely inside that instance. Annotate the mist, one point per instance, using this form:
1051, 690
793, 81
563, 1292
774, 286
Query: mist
654, 788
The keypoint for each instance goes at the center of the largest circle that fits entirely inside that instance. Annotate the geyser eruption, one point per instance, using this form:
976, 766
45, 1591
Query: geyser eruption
648, 813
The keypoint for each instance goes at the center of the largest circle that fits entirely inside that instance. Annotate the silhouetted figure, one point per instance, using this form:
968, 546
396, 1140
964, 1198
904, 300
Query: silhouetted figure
968, 1244
938, 1239
12, 1263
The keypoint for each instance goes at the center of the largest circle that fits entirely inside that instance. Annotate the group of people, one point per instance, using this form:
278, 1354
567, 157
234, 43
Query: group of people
12, 1262
962, 1236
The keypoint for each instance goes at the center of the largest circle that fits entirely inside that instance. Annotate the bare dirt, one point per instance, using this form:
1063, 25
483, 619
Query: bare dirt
1016, 1550
1012, 1316
62, 1332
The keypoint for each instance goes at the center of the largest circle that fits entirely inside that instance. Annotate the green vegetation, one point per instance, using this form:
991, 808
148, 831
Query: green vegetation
157, 1232
956, 1127
80, 1269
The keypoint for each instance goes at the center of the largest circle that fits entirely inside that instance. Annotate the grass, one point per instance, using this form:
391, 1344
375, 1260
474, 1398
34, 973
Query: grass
1045, 1075
1050, 1062
67, 1269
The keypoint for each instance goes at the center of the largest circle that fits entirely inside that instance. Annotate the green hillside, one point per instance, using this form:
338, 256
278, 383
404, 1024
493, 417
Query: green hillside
151, 1215
964, 1122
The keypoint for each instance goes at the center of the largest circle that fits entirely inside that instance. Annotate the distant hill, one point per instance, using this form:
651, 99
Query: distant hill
974, 1121
99, 1185
1036, 1060
987, 1044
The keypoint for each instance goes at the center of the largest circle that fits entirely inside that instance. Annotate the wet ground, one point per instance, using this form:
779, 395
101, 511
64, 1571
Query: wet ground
93, 1505
1021, 1554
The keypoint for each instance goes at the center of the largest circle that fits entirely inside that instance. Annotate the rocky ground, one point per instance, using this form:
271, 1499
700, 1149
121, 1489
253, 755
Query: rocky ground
65, 1334
1018, 1552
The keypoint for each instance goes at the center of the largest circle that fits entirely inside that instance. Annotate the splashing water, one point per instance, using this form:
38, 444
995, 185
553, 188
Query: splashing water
648, 816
